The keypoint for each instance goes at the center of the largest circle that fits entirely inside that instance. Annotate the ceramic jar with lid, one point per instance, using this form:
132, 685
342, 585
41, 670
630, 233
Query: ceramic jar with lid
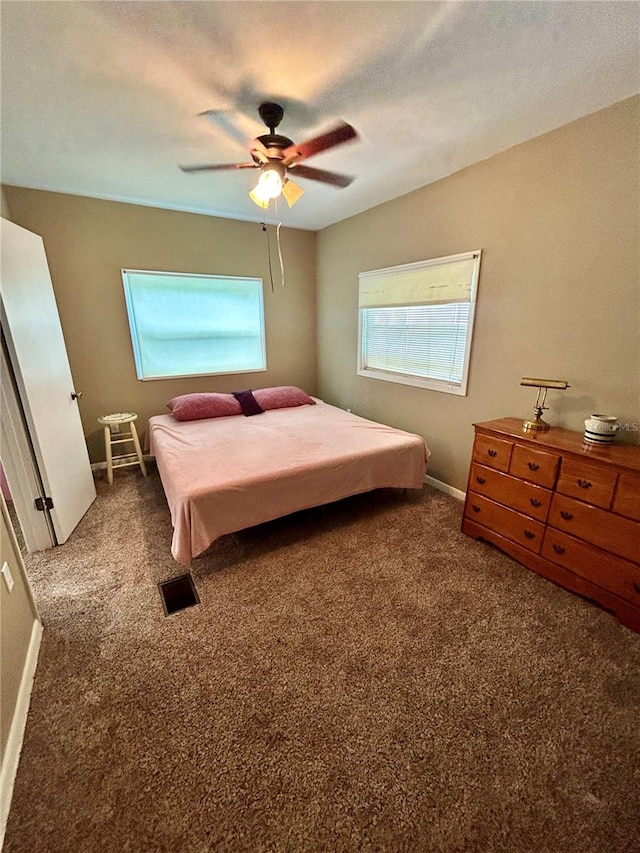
600, 429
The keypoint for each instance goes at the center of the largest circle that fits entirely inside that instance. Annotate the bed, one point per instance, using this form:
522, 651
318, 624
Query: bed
224, 474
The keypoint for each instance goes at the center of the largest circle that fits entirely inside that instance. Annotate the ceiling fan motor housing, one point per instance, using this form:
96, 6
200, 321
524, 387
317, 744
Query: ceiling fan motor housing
275, 166
275, 144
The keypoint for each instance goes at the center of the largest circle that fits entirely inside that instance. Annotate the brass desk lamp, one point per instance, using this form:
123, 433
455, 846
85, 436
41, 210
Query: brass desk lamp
543, 385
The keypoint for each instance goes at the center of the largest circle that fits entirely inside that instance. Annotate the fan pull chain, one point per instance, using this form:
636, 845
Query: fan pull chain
278, 227
264, 228
280, 253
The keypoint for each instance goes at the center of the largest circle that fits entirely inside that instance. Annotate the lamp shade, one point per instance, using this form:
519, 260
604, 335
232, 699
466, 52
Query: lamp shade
269, 186
253, 195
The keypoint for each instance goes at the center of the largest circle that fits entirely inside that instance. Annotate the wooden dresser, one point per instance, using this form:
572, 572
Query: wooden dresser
567, 510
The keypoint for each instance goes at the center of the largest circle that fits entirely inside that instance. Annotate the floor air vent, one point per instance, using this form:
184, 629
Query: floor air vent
178, 593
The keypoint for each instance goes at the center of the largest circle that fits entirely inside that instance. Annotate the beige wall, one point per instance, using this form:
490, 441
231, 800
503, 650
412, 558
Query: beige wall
89, 241
558, 221
17, 616
17, 613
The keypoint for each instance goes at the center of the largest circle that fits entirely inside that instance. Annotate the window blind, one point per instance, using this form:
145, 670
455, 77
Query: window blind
423, 340
416, 322
190, 325
441, 280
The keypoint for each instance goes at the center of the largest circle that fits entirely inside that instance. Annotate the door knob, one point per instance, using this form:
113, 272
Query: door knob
75, 395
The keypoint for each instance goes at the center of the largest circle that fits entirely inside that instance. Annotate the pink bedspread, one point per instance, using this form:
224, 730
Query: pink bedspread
224, 474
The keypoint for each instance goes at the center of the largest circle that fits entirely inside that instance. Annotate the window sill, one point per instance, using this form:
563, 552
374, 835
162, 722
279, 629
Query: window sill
415, 381
200, 375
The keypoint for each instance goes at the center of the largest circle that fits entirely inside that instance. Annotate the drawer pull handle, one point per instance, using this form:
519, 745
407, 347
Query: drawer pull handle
529, 534
558, 549
636, 586
492, 453
475, 507
481, 480
566, 515
533, 466
535, 502
584, 484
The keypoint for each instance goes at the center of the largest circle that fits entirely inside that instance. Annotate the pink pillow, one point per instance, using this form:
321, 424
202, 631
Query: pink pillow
282, 397
194, 407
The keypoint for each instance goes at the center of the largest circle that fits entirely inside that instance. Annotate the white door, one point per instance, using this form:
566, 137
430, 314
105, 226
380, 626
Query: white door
31, 326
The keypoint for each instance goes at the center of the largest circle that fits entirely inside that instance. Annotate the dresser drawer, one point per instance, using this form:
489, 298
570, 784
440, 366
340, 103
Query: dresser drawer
615, 534
537, 466
605, 570
512, 525
587, 483
627, 499
494, 452
524, 497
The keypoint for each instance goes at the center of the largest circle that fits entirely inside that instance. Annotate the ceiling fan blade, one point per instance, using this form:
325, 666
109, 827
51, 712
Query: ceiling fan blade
258, 150
291, 192
342, 132
219, 167
221, 121
312, 174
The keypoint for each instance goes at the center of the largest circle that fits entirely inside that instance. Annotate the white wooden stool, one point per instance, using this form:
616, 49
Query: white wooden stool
112, 435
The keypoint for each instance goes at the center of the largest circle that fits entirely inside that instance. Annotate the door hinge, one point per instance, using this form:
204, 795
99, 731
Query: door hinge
43, 503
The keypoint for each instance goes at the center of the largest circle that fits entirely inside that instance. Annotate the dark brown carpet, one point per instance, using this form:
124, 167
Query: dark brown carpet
360, 677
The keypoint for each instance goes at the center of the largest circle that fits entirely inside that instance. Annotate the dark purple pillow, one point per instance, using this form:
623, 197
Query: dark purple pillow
248, 403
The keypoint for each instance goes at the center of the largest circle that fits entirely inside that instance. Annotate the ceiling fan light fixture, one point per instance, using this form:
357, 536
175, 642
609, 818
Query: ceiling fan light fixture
269, 186
253, 195
291, 192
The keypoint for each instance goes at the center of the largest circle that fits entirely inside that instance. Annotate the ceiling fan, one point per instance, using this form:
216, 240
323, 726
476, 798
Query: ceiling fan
277, 156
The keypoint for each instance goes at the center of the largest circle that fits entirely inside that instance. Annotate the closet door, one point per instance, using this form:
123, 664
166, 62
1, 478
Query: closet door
31, 325
18, 462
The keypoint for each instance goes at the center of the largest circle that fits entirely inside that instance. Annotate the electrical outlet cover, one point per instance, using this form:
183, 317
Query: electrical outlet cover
8, 577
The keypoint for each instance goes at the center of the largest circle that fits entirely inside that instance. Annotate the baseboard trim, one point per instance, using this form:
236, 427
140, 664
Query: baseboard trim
16, 732
445, 487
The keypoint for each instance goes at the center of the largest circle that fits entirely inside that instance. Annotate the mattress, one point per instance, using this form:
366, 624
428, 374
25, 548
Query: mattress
221, 475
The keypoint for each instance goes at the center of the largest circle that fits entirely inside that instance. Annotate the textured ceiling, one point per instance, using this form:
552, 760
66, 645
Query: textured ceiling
101, 99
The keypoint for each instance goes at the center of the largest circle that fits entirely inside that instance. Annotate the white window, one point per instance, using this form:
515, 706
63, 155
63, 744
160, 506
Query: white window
194, 325
416, 321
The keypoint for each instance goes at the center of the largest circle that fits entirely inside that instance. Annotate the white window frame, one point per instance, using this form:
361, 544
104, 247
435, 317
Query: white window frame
411, 379
134, 332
